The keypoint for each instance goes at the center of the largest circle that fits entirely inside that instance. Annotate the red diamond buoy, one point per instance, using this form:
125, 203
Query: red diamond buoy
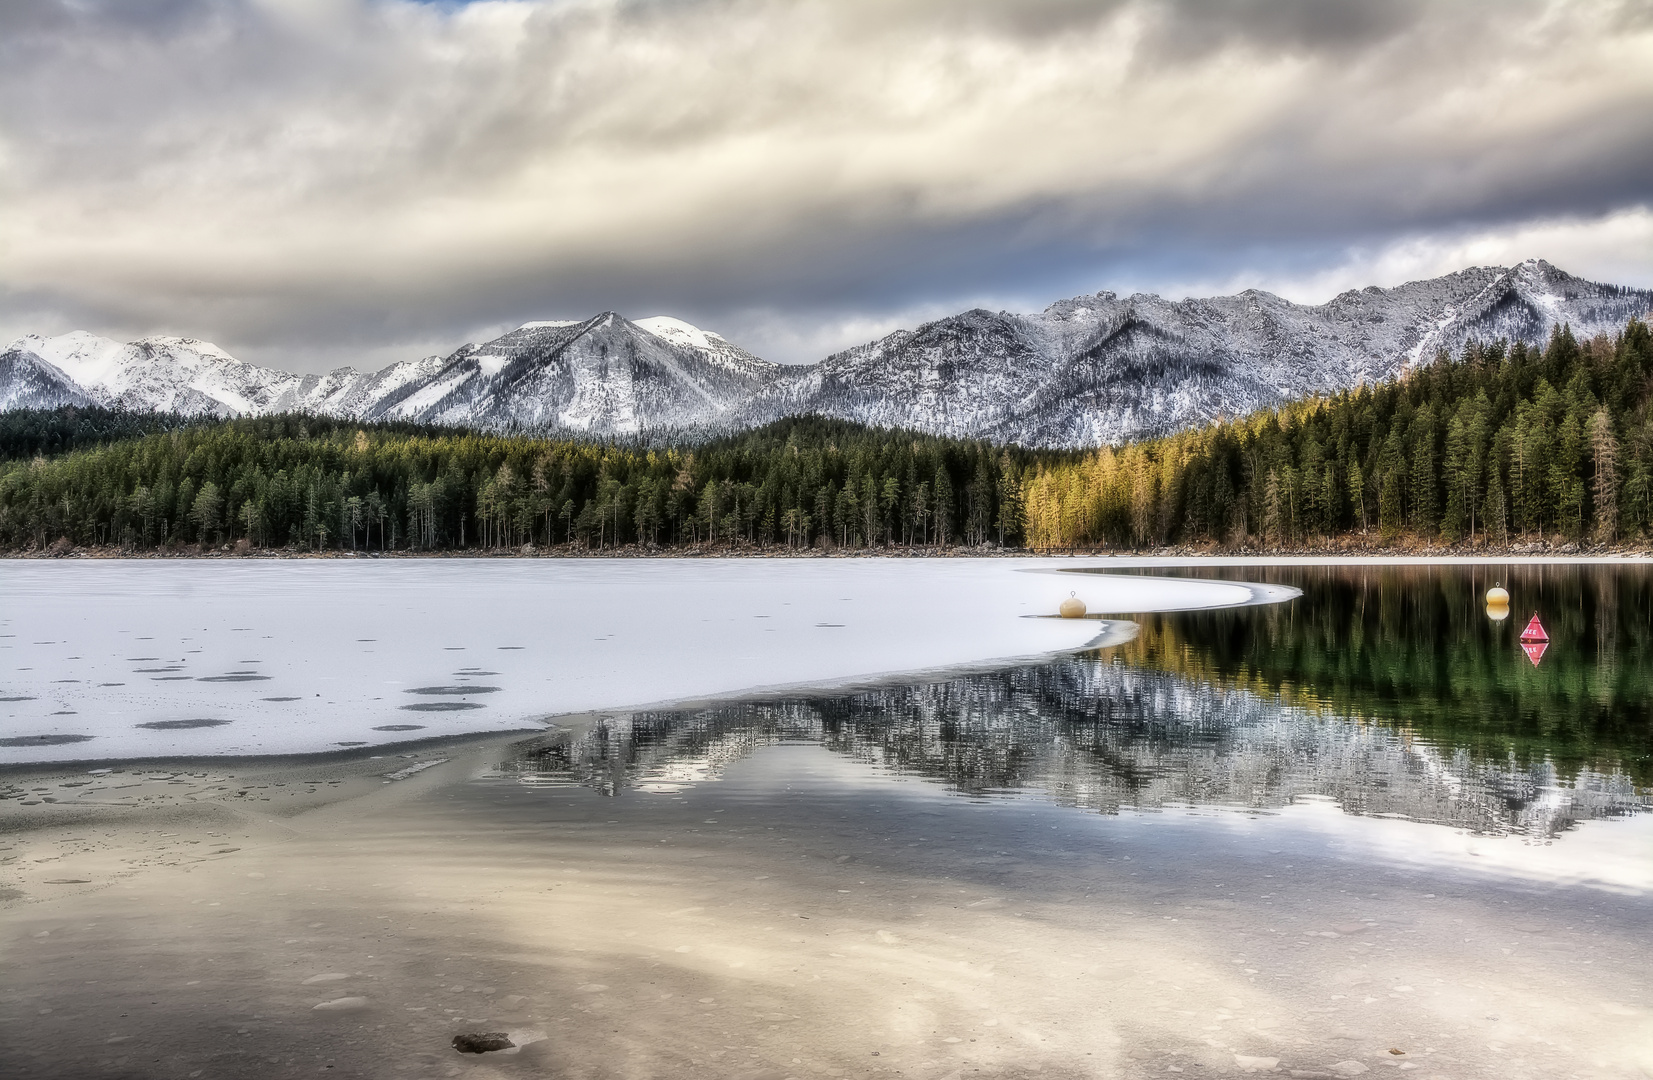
1534, 650
1534, 631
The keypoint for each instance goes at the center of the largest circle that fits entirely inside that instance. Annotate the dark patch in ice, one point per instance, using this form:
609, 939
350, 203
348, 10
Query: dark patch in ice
173, 678
234, 678
356, 743
44, 740
445, 648
367, 639
399, 727
66, 712
140, 659
65, 680
280, 699
111, 684
510, 648
152, 670
17, 697
181, 725
473, 674
452, 691
836, 624
442, 706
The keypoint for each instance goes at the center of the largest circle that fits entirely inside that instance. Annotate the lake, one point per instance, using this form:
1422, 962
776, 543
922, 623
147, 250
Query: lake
1359, 831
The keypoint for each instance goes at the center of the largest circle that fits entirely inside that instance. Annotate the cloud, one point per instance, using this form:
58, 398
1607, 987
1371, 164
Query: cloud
316, 181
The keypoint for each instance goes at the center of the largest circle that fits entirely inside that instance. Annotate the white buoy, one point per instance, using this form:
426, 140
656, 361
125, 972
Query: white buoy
1498, 612
1497, 595
1072, 608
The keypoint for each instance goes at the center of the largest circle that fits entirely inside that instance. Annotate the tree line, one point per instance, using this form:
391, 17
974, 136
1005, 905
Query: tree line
314, 484
1503, 443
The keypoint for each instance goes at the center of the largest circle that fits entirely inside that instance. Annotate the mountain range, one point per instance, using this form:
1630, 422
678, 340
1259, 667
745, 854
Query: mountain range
1086, 371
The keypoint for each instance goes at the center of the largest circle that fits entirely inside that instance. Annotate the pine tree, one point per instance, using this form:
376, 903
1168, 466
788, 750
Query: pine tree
1496, 512
1604, 448
1425, 482
1273, 509
1391, 505
1357, 492
944, 507
1457, 467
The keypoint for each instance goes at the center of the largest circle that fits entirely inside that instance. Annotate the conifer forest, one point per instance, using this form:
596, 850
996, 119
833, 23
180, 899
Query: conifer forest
1506, 443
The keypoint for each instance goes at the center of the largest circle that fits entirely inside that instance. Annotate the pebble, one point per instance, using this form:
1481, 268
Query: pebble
1256, 1064
482, 1042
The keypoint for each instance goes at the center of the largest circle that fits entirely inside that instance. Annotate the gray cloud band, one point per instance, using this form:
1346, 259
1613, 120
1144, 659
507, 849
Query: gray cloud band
291, 176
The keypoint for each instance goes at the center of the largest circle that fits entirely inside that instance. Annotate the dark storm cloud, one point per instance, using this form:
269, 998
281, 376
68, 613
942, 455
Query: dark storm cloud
320, 181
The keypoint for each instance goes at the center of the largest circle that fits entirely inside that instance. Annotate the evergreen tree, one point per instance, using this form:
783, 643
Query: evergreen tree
1604, 449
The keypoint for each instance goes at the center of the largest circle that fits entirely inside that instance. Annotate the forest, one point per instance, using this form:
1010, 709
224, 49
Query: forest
1503, 443
313, 484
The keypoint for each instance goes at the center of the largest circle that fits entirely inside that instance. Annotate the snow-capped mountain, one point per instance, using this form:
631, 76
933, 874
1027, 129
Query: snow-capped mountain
166, 374
605, 375
1082, 372
1103, 368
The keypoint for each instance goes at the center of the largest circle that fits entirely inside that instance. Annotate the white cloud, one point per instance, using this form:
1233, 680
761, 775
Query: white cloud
1615, 248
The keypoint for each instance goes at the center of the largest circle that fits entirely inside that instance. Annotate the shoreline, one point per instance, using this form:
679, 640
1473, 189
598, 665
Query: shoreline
1418, 551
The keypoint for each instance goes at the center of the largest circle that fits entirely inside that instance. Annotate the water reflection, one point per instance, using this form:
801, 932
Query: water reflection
1411, 647
1373, 691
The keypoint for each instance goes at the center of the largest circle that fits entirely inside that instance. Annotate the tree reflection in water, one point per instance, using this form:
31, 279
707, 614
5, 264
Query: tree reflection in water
1385, 688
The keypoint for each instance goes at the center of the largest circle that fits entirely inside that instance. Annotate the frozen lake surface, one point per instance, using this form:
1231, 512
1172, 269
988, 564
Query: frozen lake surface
144, 658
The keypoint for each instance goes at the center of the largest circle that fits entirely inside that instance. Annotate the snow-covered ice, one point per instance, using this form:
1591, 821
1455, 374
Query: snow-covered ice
301, 656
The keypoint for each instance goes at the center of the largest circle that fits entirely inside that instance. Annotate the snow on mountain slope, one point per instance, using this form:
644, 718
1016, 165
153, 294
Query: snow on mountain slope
713, 347
1103, 368
606, 375
1084, 371
27, 381
167, 374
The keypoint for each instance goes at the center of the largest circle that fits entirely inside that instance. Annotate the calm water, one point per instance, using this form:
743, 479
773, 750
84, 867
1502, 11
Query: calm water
1388, 691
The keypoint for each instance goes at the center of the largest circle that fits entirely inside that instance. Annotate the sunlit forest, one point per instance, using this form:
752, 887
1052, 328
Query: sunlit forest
1504, 443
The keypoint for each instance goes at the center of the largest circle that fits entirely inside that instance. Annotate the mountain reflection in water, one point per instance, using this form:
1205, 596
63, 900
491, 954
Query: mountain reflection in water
1379, 689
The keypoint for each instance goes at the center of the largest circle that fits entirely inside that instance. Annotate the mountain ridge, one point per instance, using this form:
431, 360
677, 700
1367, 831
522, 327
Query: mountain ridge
1084, 371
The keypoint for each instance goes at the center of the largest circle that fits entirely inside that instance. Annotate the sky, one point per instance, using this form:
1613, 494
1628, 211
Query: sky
314, 183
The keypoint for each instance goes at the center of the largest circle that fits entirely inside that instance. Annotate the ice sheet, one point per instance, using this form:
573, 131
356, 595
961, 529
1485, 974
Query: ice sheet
299, 656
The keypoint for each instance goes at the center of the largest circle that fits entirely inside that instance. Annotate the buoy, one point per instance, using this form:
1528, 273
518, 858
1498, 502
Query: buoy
1072, 608
1534, 630
1497, 612
1534, 650
1498, 595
